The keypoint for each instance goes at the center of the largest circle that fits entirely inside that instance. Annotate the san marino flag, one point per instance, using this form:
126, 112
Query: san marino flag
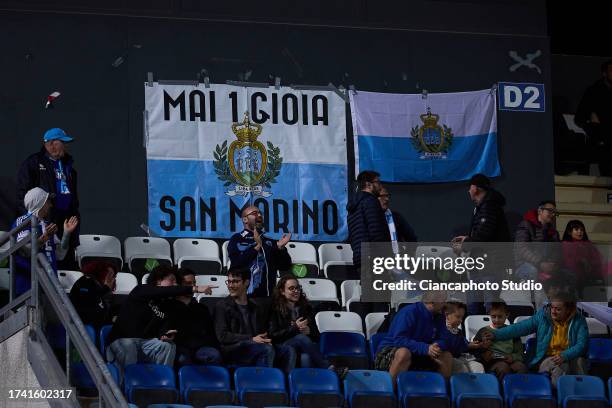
424, 139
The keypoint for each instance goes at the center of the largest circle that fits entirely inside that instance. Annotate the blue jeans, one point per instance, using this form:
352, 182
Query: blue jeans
300, 344
204, 355
249, 353
126, 351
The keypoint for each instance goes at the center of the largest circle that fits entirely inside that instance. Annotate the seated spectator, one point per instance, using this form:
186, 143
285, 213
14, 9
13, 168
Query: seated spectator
89, 291
37, 201
453, 340
538, 261
581, 257
501, 357
242, 325
562, 337
410, 343
144, 331
196, 342
293, 327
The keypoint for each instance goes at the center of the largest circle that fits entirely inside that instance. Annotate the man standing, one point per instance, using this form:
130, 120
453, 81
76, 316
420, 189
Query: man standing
52, 170
366, 219
263, 256
594, 115
488, 225
399, 229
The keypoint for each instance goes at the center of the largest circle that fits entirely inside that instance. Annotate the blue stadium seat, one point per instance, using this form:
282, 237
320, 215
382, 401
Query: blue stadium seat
225, 406
314, 387
260, 386
528, 390
475, 390
586, 391
530, 347
345, 349
205, 385
104, 331
169, 406
80, 378
146, 384
421, 388
374, 342
600, 357
368, 388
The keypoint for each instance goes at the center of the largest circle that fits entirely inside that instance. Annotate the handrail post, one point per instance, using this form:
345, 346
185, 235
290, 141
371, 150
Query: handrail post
35, 301
12, 271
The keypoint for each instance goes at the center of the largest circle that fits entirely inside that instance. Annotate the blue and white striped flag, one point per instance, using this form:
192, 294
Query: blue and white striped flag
437, 138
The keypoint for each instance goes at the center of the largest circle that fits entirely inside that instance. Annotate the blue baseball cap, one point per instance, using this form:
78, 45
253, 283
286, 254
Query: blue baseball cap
56, 134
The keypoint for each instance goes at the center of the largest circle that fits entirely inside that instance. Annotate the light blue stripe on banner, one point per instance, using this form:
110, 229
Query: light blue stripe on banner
397, 160
313, 192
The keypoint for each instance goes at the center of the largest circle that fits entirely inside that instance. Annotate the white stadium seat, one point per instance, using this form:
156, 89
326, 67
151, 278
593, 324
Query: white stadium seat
100, 247
199, 255
373, 322
339, 321
319, 290
67, 278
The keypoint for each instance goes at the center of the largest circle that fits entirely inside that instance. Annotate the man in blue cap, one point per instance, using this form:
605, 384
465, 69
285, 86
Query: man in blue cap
52, 170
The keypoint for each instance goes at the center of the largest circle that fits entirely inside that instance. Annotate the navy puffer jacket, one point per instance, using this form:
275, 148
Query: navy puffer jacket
366, 223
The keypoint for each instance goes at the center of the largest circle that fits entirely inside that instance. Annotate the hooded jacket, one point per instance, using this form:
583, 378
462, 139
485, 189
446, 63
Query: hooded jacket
489, 220
366, 223
531, 230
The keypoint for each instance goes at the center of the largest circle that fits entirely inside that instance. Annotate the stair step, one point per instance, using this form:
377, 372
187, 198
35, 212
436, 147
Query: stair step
583, 181
588, 195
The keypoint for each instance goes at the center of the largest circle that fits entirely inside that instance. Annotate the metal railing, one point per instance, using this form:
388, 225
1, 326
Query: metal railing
45, 283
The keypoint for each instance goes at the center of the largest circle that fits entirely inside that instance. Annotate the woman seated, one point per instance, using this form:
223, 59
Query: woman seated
88, 292
293, 328
581, 257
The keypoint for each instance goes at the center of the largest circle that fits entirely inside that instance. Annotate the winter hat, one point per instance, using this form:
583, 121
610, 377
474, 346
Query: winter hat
481, 181
35, 199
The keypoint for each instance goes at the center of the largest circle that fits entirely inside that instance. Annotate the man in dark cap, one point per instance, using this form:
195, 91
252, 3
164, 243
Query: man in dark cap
488, 225
52, 170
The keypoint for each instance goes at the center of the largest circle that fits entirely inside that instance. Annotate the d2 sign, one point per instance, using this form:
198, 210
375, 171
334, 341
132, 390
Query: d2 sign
525, 97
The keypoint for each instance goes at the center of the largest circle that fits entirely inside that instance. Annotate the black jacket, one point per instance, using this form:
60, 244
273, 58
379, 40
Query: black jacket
489, 222
38, 171
87, 297
195, 325
242, 253
596, 99
366, 223
281, 328
146, 313
229, 324
405, 233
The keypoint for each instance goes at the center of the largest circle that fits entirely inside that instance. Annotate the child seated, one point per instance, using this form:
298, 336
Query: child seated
500, 357
453, 340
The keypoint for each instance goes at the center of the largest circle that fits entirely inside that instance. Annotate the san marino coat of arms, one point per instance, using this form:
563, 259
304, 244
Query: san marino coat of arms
431, 140
247, 166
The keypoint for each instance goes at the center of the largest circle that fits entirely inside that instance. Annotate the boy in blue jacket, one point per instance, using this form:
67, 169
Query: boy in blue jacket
562, 338
411, 343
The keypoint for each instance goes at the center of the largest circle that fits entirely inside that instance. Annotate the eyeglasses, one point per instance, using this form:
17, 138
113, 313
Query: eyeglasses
255, 213
230, 282
294, 288
553, 211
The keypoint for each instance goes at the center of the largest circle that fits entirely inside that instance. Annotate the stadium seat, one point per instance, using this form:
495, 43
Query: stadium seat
596, 328
350, 289
104, 332
515, 310
528, 391
205, 385
600, 357
475, 390
374, 342
140, 250
574, 391
146, 384
99, 247
81, 379
372, 322
260, 386
199, 255
314, 387
344, 349
422, 389
170, 406
144, 278
68, 278
339, 321
363, 309
225, 254
336, 262
519, 319
474, 323
125, 283
319, 290
305, 254
218, 293
368, 388
530, 346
